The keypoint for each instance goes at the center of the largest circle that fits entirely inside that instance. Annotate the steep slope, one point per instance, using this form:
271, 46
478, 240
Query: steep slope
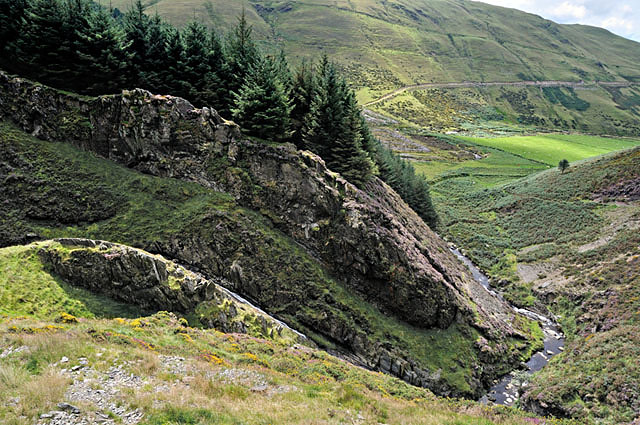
129, 277
70, 357
403, 42
399, 301
568, 242
384, 45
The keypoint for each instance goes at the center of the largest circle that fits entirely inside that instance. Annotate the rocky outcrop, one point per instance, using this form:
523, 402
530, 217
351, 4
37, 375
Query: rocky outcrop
154, 284
127, 274
624, 191
367, 238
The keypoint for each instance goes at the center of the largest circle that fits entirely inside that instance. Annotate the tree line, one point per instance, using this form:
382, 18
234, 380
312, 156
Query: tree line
80, 46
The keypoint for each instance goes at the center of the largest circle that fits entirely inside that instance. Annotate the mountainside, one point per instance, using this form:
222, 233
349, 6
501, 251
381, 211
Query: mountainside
568, 242
392, 43
385, 45
397, 301
69, 356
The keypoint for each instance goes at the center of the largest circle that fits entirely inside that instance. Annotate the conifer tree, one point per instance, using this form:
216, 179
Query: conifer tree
152, 73
196, 60
173, 75
332, 127
215, 93
402, 178
102, 51
242, 56
303, 92
284, 73
12, 14
136, 25
262, 107
44, 43
323, 123
347, 155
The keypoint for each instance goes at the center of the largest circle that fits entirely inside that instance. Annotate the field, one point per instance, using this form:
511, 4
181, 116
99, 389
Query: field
495, 164
511, 110
550, 149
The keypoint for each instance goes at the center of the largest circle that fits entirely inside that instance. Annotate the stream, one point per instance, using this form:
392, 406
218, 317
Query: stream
505, 390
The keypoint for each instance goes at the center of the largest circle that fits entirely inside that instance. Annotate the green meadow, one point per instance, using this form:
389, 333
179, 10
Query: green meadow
549, 149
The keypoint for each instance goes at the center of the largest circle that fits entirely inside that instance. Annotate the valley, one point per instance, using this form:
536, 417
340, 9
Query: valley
385, 46
423, 212
545, 239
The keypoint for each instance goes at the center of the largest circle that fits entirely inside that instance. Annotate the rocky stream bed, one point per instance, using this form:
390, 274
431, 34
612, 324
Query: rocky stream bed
506, 390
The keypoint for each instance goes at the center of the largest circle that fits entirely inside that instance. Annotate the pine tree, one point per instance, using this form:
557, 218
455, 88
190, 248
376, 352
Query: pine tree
214, 93
12, 14
156, 61
44, 44
284, 73
402, 178
333, 126
347, 155
303, 92
173, 76
136, 25
242, 56
196, 62
262, 107
323, 124
102, 54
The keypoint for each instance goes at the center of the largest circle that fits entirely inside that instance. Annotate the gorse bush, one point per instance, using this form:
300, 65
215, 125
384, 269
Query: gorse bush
80, 46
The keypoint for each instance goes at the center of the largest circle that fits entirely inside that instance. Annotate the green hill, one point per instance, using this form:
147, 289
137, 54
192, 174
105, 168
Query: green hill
415, 41
111, 364
383, 45
564, 242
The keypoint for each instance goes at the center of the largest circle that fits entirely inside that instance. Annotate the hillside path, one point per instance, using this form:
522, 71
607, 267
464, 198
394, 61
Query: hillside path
472, 84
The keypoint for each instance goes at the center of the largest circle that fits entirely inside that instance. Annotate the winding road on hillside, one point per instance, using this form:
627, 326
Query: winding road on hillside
472, 84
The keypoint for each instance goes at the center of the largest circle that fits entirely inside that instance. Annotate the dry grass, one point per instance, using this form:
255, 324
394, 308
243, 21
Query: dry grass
25, 396
31, 382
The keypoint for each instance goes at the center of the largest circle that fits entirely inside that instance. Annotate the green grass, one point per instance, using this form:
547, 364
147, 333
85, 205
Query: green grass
413, 41
64, 192
550, 149
545, 218
382, 46
319, 388
496, 165
28, 289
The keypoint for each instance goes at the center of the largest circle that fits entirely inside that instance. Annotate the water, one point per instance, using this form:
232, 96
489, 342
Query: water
506, 390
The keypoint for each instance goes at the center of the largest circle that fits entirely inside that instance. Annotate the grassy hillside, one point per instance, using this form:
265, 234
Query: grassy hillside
64, 192
384, 45
479, 111
412, 41
111, 361
564, 242
130, 368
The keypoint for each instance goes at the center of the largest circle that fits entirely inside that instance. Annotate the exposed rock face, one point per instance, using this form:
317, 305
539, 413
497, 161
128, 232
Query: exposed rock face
369, 238
127, 274
150, 282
